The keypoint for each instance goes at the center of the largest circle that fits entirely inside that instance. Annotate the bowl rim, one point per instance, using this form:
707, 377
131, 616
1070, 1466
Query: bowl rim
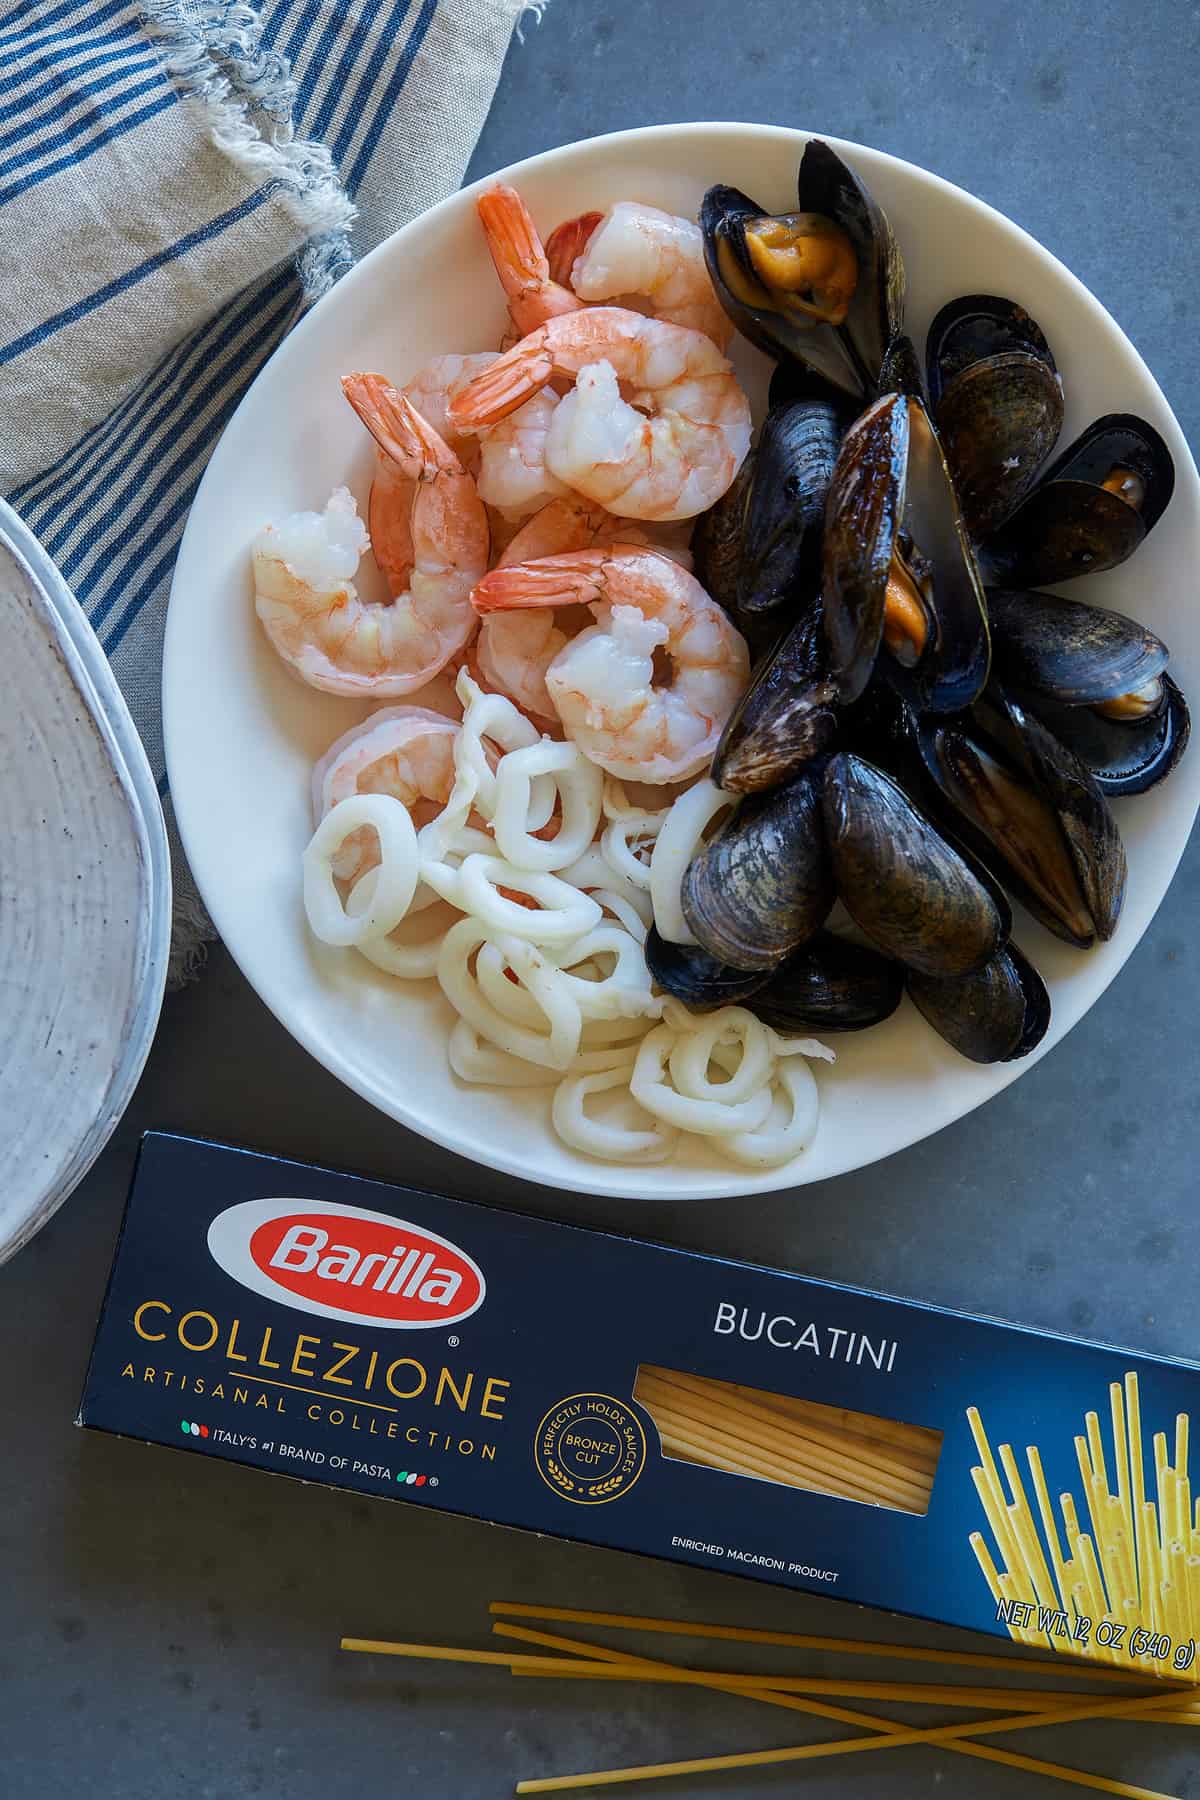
612, 1179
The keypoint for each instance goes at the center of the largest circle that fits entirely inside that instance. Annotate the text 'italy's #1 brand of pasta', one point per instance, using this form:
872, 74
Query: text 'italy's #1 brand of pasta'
343, 1263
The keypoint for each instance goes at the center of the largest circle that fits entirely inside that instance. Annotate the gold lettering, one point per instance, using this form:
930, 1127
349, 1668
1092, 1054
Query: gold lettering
446, 1380
405, 1362
232, 1353
264, 1361
183, 1337
300, 1353
331, 1374
151, 1337
491, 1393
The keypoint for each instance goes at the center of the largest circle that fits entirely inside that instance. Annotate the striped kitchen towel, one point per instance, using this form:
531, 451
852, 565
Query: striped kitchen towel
179, 179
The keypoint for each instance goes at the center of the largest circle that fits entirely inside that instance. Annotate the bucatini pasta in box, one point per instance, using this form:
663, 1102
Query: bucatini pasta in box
622, 1393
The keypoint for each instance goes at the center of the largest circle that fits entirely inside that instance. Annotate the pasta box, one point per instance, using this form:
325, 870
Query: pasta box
623, 1393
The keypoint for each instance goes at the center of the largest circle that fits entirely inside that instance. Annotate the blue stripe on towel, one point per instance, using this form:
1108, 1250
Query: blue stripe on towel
166, 98
391, 93
9, 352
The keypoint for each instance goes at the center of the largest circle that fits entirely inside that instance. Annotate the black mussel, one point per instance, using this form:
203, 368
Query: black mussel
822, 286
1097, 679
1076, 654
786, 716
830, 984
997, 403
1090, 510
785, 507
1025, 803
901, 371
998, 1014
899, 574
912, 893
697, 978
717, 540
973, 329
760, 888
1128, 753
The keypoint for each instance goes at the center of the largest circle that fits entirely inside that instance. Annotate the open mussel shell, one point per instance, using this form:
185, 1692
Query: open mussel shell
697, 978
916, 898
891, 488
848, 354
1125, 756
830, 984
997, 1014
973, 329
1090, 510
780, 552
1025, 803
786, 716
764, 885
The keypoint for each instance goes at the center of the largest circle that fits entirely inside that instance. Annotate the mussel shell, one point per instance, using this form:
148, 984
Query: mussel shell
862, 515
891, 474
999, 420
848, 356
1125, 756
1068, 651
1070, 525
760, 888
901, 372
697, 978
1027, 805
903, 884
998, 1014
830, 984
975, 327
717, 540
785, 506
786, 716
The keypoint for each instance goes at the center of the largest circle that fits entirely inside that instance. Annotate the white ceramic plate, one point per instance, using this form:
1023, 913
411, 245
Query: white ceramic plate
242, 736
85, 892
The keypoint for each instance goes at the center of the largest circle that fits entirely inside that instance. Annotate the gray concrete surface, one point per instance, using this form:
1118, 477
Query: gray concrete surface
168, 1625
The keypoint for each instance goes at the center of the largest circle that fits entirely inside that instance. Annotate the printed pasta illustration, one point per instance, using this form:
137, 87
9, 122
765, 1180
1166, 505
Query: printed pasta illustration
1127, 1591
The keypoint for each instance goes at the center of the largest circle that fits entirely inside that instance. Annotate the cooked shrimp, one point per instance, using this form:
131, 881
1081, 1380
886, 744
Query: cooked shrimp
433, 387
567, 242
514, 649
669, 453
638, 250
404, 751
646, 690
430, 537
520, 261
512, 459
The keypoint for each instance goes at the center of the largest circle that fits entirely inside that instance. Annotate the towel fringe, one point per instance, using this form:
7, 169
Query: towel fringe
214, 53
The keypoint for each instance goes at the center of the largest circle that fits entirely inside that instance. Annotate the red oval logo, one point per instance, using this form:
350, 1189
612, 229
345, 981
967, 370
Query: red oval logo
365, 1267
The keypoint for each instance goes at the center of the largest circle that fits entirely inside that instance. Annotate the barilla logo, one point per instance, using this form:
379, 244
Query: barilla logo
342, 1263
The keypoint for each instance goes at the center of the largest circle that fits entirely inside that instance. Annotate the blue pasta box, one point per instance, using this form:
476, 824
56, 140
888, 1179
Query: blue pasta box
617, 1392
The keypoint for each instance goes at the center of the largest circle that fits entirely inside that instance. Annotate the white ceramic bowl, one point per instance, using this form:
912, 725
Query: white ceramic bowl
242, 736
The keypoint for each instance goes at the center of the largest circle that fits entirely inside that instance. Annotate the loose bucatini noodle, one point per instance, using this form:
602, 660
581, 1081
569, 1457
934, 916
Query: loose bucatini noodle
545, 964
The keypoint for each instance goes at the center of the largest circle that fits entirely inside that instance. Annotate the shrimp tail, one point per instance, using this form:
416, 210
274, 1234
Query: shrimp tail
516, 249
396, 425
576, 579
512, 379
567, 242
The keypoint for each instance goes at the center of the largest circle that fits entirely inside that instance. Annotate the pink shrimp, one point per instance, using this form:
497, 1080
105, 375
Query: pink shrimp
645, 692
429, 533
567, 242
515, 649
520, 261
668, 452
